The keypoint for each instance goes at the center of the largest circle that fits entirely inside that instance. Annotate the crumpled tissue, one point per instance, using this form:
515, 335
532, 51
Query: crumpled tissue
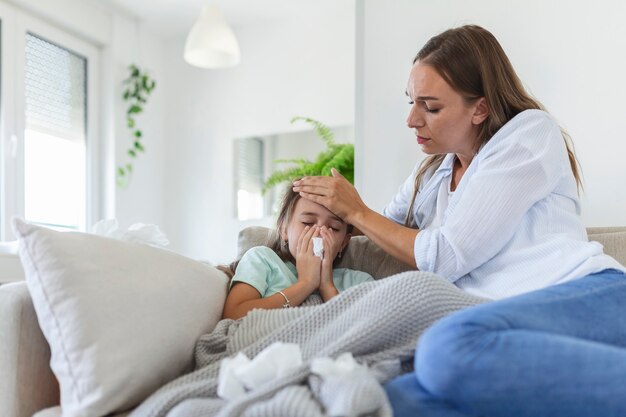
318, 247
349, 389
149, 234
240, 374
342, 366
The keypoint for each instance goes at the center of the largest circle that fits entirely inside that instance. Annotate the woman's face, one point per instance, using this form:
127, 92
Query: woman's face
307, 213
442, 120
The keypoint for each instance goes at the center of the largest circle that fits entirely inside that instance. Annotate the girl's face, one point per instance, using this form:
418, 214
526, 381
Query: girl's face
307, 213
442, 119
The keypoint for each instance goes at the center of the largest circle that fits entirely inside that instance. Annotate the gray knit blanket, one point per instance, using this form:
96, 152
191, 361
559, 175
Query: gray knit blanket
378, 322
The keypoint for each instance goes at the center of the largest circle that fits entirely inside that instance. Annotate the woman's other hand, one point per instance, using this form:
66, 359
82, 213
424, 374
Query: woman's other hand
335, 193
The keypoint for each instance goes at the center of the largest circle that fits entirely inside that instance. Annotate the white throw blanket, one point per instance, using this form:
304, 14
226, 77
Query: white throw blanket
378, 322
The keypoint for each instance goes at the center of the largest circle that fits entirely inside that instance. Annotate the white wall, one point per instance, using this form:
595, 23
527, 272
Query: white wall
304, 66
570, 54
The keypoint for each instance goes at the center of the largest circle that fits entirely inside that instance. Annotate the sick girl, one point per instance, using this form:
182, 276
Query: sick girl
287, 272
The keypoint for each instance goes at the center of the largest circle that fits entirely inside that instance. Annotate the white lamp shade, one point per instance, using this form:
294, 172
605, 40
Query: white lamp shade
211, 43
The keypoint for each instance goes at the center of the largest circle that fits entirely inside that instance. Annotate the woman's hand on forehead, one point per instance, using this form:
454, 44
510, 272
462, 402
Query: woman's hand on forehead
335, 193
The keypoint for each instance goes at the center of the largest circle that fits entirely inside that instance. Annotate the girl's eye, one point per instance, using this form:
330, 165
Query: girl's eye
411, 102
432, 110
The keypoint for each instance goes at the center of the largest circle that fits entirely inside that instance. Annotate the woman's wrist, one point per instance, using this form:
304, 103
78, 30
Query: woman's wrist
358, 218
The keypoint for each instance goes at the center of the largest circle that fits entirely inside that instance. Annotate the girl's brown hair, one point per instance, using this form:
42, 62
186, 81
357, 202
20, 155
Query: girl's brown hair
471, 60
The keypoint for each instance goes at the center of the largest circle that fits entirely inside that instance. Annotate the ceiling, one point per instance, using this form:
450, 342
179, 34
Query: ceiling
174, 18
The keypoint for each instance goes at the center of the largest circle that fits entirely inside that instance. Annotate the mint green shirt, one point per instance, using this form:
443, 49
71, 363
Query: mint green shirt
263, 269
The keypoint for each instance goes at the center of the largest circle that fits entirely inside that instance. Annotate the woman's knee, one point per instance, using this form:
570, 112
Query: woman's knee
446, 353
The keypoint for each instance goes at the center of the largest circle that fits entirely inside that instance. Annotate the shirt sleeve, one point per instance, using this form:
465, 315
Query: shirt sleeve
521, 165
254, 269
396, 210
351, 277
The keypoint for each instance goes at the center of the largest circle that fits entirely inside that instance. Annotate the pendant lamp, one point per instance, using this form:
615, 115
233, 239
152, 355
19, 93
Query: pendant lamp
211, 43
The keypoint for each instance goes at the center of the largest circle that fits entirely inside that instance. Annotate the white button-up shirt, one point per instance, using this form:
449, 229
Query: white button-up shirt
513, 223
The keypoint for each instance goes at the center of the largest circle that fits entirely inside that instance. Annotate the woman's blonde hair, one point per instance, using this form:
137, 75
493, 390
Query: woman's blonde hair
471, 60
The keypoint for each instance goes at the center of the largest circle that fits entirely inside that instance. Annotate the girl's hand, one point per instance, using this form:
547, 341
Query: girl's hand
307, 264
331, 248
332, 245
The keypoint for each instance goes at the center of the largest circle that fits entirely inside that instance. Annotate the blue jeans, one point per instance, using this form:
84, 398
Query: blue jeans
559, 351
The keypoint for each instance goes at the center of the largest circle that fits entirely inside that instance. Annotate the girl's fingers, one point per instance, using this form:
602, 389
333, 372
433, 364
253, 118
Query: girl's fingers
301, 238
316, 233
329, 238
306, 239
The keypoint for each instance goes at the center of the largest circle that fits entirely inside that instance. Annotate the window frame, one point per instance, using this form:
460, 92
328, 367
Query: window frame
15, 24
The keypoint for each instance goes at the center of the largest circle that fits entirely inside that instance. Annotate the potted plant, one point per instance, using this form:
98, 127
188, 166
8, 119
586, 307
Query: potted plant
336, 155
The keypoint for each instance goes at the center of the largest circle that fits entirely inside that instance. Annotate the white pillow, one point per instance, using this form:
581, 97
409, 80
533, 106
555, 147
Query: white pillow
121, 318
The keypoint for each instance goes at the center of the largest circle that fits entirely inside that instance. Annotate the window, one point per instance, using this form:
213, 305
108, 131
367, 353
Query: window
48, 105
54, 135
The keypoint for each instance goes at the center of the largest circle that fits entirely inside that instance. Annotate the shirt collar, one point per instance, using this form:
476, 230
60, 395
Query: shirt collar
447, 163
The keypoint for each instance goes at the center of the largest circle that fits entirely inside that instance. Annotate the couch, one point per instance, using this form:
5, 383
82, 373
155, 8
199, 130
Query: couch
27, 385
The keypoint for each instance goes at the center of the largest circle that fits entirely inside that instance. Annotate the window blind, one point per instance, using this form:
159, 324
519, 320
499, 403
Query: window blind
55, 90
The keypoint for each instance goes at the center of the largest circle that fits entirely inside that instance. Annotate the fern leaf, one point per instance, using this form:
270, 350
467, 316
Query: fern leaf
342, 161
321, 129
300, 161
282, 176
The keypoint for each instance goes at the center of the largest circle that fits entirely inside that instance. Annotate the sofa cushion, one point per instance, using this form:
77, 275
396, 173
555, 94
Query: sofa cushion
10, 266
361, 254
26, 381
613, 240
364, 255
121, 318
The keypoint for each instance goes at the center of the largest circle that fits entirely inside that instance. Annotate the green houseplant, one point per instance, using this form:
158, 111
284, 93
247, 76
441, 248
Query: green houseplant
137, 88
336, 155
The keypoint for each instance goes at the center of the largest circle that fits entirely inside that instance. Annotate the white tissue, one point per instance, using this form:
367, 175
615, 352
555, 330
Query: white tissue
107, 228
342, 366
239, 374
146, 233
149, 234
229, 386
318, 247
275, 361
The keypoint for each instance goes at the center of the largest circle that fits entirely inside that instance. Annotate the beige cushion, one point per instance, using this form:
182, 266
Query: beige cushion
613, 240
121, 318
600, 230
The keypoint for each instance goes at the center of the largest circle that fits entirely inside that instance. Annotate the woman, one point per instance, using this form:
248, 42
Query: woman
494, 209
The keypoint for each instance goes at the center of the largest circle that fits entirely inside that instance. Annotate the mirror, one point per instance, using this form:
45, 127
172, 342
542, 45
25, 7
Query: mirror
255, 160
